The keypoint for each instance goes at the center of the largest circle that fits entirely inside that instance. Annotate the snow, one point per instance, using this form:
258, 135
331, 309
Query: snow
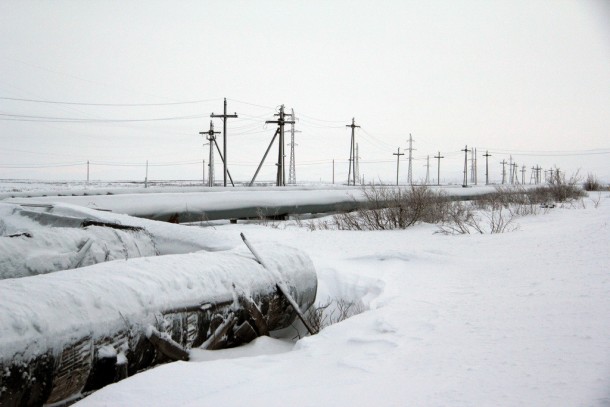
513, 319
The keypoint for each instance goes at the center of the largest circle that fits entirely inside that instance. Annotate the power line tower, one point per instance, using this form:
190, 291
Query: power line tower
466, 151
438, 171
352, 160
503, 171
410, 171
397, 154
476, 164
538, 170
223, 157
472, 165
427, 170
514, 174
486, 155
292, 174
357, 170
533, 176
211, 137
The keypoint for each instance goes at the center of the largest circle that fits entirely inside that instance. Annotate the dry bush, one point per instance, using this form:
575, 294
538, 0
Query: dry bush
592, 183
331, 312
558, 189
465, 218
389, 208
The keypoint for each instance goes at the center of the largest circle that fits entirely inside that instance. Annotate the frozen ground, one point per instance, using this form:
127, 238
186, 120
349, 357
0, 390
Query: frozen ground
514, 319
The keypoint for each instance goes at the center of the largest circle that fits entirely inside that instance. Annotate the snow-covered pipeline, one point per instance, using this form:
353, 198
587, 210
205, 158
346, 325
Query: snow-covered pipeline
57, 330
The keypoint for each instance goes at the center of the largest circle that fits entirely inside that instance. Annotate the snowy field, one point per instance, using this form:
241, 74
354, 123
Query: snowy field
513, 319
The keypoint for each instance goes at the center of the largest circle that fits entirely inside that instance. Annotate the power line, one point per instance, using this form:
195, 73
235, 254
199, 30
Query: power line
28, 118
55, 102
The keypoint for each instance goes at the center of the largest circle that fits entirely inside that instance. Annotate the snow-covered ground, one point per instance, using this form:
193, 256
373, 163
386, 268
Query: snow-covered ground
513, 319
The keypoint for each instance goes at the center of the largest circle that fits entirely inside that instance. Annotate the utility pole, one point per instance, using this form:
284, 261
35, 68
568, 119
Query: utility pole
333, 171
87, 172
410, 171
223, 156
503, 170
281, 174
146, 177
211, 137
466, 151
438, 172
352, 163
523, 175
397, 154
486, 155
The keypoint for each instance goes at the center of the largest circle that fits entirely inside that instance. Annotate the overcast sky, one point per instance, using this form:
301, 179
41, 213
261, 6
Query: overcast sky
528, 78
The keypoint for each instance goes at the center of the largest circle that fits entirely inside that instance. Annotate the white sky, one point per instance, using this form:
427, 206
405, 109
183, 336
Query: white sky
527, 78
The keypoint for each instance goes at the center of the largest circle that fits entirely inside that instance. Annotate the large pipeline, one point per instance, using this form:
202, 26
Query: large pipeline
68, 333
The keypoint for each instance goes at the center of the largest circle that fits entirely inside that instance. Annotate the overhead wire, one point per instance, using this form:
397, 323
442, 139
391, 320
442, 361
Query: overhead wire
109, 104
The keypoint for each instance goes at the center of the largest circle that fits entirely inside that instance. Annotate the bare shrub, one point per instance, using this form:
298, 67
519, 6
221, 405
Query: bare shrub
332, 312
561, 190
592, 183
464, 218
389, 208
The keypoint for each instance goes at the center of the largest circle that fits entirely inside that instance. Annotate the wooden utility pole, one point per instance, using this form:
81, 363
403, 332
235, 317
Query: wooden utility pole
438, 171
211, 137
352, 161
397, 154
427, 170
281, 121
466, 151
503, 170
87, 172
410, 171
486, 155
224, 118
523, 175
